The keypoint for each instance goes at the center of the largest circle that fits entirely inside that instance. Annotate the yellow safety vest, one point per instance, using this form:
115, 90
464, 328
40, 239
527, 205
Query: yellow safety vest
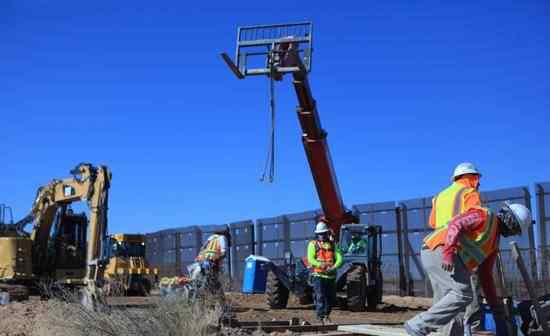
212, 250
448, 204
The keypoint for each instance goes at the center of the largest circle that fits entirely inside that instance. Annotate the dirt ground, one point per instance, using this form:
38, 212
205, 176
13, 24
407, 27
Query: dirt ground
22, 318
394, 310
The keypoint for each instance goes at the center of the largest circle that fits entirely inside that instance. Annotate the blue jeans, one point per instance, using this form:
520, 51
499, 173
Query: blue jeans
325, 295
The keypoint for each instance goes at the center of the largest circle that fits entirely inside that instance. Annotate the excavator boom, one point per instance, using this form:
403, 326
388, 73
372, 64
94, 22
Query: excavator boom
90, 184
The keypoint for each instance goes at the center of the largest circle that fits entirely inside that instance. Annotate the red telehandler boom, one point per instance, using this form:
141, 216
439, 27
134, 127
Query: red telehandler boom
283, 46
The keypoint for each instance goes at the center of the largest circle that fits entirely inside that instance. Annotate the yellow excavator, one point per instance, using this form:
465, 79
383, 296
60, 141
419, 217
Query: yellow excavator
63, 247
126, 272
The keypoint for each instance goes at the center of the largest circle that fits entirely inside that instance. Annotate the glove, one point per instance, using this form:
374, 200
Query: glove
448, 261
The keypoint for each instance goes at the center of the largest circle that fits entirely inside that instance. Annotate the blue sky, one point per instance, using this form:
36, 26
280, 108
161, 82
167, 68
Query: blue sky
405, 90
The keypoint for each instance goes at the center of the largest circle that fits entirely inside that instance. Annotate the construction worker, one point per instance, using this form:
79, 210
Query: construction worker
324, 256
357, 245
471, 245
211, 257
456, 199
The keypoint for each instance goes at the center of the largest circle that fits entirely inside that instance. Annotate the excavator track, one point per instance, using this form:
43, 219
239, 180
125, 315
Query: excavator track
16, 292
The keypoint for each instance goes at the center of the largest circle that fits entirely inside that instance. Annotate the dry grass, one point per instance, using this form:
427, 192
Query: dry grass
172, 317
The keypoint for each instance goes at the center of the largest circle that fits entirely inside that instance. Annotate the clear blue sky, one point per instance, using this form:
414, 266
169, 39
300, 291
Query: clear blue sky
405, 90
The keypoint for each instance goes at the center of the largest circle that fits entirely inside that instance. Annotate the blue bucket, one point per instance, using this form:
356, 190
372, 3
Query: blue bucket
488, 321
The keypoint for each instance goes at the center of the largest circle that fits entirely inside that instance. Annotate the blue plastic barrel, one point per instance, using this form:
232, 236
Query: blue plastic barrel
255, 275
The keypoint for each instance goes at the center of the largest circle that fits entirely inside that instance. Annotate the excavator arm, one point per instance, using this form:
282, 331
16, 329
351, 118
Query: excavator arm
90, 184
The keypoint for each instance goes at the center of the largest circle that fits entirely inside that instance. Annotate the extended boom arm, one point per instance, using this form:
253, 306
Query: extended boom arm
88, 183
314, 139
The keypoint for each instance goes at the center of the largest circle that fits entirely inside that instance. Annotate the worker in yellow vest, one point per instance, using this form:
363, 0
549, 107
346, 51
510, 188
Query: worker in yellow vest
211, 257
324, 257
456, 199
470, 246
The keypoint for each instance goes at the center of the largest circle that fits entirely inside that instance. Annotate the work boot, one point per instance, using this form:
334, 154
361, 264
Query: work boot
326, 321
321, 320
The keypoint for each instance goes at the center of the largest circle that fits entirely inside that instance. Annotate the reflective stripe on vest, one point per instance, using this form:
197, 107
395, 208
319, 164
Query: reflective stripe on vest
212, 250
476, 246
324, 253
448, 204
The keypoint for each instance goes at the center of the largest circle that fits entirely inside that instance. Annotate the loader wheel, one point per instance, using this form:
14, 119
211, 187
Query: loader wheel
306, 298
16, 292
356, 281
374, 296
277, 293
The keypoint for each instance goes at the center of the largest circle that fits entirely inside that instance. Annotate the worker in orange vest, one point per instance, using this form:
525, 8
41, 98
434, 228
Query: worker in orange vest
456, 199
324, 256
211, 257
471, 245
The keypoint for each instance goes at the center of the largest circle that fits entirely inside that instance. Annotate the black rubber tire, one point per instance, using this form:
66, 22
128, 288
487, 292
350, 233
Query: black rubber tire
306, 299
16, 292
356, 281
374, 296
277, 293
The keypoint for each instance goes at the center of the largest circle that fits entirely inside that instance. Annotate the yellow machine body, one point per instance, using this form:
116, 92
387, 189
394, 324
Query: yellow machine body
126, 265
15, 258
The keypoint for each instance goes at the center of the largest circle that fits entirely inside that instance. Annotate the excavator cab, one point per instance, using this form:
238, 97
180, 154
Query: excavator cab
68, 258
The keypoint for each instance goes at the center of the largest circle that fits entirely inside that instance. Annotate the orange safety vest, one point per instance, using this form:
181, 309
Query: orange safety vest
212, 250
448, 204
476, 246
324, 253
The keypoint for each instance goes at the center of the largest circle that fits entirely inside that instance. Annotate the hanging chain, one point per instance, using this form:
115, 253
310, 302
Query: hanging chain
269, 167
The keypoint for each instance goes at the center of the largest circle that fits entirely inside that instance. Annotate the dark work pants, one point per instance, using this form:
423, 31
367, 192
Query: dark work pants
325, 295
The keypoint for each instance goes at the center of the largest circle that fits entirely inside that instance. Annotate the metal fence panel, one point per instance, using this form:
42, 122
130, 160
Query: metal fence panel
242, 232
302, 224
273, 250
167, 239
299, 247
415, 218
390, 244
240, 253
391, 274
382, 213
543, 221
189, 236
272, 229
188, 254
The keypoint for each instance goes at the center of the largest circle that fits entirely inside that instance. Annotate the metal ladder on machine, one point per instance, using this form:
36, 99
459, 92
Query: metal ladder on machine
540, 310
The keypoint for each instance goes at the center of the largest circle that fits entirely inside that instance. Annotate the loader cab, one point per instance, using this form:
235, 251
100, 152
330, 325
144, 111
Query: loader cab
360, 241
126, 246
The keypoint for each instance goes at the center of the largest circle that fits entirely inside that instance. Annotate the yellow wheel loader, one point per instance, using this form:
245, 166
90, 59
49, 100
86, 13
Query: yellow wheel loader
63, 248
126, 272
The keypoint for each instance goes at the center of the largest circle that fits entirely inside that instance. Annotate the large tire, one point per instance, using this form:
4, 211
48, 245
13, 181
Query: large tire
16, 292
374, 295
356, 281
277, 293
307, 298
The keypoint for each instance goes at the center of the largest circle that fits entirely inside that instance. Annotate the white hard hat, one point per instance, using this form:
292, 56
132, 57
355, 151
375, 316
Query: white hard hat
522, 214
321, 227
465, 168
